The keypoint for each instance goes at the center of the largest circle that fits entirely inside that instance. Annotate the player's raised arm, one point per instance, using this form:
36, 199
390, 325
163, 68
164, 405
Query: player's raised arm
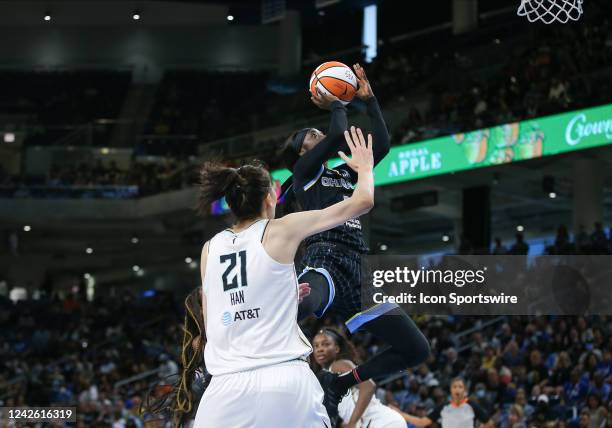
379, 127
293, 228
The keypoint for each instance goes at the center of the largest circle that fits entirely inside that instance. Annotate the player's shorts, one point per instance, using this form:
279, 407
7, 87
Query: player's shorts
375, 416
278, 396
343, 266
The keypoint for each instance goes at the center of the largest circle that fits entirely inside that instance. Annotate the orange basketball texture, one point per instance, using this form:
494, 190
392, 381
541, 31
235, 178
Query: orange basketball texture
335, 78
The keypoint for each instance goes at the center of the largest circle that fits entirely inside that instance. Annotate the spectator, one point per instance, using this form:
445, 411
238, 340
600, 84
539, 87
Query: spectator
514, 418
597, 413
599, 240
583, 241
499, 248
520, 246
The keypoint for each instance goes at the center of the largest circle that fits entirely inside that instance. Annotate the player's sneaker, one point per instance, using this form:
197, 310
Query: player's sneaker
331, 397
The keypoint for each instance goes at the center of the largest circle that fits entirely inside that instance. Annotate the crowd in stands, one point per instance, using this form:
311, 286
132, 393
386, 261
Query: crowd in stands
54, 103
72, 351
597, 242
527, 74
469, 83
211, 105
150, 177
103, 180
550, 72
527, 372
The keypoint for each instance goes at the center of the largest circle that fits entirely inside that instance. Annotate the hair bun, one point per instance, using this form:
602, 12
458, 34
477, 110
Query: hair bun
239, 181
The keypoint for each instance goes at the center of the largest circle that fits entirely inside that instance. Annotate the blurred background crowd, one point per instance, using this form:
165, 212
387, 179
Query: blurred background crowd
88, 133
104, 356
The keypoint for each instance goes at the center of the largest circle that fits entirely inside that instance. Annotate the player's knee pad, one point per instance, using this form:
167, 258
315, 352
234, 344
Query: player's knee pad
322, 290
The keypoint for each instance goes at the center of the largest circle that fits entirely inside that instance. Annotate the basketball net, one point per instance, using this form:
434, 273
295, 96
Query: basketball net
549, 11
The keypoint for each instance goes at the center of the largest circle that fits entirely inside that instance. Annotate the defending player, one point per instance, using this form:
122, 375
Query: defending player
360, 408
255, 350
332, 260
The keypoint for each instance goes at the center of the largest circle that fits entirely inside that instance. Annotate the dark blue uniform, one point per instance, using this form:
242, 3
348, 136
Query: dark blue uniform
336, 253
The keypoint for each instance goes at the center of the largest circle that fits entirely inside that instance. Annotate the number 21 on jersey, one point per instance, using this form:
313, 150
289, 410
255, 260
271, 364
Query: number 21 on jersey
234, 276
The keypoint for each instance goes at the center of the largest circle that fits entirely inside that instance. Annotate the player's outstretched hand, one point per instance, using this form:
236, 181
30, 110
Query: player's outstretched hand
323, 100
361, 158
364, 91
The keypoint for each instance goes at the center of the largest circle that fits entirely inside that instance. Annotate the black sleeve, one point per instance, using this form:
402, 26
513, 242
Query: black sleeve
380, 136
309, 164
380, 133
479, 412
434, 415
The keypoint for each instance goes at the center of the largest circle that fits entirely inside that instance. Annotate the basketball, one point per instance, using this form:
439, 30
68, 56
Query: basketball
334, 78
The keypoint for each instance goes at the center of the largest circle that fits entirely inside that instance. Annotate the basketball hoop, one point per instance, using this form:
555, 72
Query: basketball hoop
549, 11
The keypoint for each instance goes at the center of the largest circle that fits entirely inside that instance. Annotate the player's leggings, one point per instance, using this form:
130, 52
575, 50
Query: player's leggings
408, 346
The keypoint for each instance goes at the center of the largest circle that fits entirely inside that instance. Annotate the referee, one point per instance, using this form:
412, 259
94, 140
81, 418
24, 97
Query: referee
459, 412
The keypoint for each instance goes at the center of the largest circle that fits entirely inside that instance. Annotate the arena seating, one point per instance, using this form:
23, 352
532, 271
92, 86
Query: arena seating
57, 102
71, 352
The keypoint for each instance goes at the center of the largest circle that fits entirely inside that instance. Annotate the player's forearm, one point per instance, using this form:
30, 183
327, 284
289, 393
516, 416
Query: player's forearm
363, 196
380, 133
338, 122
366, 392
303, 224
414, 420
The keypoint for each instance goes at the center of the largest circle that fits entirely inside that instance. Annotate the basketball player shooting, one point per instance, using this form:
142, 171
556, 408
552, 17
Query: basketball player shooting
332, 260
255, 350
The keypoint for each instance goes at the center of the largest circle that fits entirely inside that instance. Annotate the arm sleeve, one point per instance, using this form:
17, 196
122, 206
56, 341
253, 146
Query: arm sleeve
434, 415
380, 133
479, 412
380, 136
309, 164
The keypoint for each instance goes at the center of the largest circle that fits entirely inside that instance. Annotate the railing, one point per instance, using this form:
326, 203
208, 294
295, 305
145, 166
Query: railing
136, 378
456, 340
480, 326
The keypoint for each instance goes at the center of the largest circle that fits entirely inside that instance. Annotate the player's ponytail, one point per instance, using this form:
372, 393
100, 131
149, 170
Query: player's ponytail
177, 402
244, 188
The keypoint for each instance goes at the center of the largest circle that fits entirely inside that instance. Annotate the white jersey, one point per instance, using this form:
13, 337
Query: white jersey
251, 305
376, 415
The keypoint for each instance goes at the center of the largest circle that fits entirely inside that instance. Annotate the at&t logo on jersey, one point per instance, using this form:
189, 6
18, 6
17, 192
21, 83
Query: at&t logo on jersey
246, 314
226, 318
